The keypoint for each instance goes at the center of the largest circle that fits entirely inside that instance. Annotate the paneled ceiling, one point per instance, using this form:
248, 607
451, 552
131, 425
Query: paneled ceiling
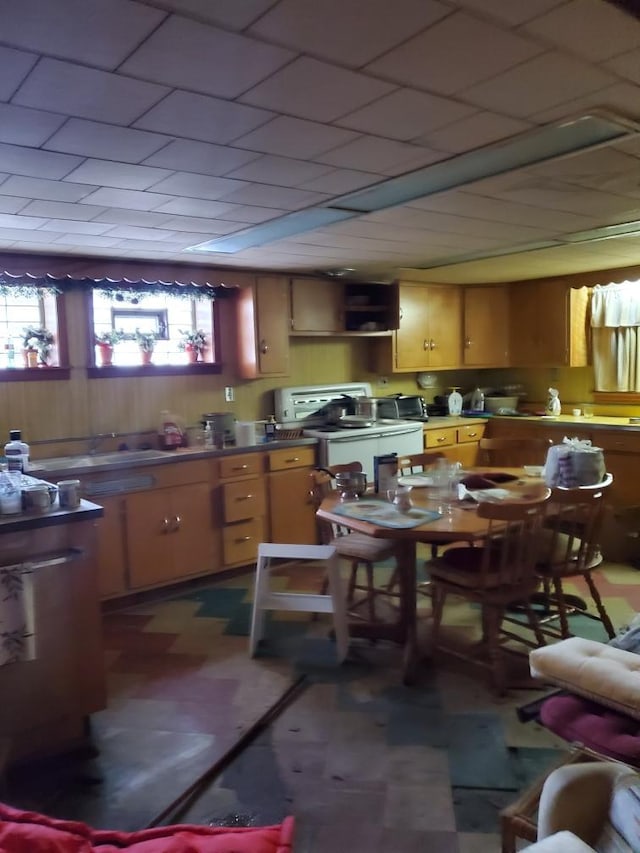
141, 128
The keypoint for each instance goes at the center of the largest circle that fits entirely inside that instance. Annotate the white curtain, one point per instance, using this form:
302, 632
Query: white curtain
615, 325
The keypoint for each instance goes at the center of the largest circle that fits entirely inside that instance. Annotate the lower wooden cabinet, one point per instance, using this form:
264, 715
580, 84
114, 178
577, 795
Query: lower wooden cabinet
111, 554
292, 515
241, 506
458, 443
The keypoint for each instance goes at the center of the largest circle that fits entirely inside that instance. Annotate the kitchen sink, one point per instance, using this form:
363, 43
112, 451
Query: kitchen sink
93, 460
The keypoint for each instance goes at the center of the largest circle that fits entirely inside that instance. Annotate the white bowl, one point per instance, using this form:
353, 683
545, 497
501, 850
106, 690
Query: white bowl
533, 470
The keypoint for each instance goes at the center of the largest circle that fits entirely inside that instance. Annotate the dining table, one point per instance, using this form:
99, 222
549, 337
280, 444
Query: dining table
432, 519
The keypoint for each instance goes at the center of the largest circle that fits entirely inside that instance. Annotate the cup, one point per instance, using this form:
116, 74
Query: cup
587, 410
446, 476
400, 497
69, 494
576, 413
37, 498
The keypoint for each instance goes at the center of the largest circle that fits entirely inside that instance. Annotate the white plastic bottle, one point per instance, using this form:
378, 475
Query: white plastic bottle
477, 400
454, 402
16, 452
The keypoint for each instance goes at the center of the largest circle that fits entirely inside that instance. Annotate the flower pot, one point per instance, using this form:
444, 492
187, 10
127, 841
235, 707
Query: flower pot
146, 356
30, 357
105, 353
192, 353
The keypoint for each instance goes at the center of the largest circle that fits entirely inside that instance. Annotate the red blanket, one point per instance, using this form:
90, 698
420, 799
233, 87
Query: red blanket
30, 832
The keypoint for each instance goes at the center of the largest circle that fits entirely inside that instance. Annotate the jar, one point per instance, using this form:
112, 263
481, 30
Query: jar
69, 494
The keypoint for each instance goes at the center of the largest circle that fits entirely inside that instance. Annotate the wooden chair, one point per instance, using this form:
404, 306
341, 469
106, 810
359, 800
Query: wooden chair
571, 550
417, 462
513, 452
499, 573
361, 550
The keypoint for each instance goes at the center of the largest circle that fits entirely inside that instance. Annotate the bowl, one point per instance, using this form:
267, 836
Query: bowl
533, 470
495, 404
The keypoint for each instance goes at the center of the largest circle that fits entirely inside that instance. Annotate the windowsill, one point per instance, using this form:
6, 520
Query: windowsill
135, 370
630, 398
34, 374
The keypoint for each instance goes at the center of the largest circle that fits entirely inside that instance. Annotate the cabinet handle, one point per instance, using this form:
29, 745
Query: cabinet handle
177, 521
165, 525
425, 345
432, 344
264, 349
467, 343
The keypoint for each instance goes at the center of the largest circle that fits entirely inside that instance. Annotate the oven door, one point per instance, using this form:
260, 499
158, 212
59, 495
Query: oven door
337, 451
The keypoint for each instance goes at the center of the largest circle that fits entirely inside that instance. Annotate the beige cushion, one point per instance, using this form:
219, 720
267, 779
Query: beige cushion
600, 672
362, 547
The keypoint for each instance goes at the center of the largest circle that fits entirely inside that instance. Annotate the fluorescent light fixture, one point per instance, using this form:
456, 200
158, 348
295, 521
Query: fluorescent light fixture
607, 232
526, 149
276, 229
494, 253
523, 150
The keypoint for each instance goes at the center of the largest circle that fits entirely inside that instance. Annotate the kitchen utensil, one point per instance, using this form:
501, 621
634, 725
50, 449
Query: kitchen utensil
355, 422
350, 484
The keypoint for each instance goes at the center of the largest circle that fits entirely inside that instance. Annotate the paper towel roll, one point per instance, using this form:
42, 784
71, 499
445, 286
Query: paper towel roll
245, 433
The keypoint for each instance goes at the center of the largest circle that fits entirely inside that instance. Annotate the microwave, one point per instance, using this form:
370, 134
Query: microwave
403, 406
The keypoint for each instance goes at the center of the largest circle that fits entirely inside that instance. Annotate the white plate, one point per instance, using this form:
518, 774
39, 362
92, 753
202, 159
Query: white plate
418, 481
481, 495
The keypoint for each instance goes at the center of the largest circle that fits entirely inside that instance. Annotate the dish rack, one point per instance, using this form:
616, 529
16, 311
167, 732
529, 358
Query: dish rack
286, 434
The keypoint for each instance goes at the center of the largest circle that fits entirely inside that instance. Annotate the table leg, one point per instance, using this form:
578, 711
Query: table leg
406, 557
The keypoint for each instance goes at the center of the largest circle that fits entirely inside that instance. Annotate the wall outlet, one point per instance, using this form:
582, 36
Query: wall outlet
383, 380
228, 394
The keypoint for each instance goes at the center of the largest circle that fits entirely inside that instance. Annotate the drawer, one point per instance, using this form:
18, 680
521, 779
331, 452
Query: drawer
440, 437
473, 432
294, 457
240, 541
617, 440
244, 499
239, 466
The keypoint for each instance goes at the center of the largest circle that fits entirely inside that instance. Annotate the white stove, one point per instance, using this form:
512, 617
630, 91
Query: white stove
306, 407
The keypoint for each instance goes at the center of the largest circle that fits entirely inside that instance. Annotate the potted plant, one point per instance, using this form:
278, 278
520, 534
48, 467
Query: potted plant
37, 342
193, 343
105, 342
147, 342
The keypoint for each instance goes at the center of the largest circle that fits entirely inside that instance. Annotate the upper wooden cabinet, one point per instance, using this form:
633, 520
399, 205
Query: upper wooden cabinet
316, 306
548, 324
430, 330
486, 326
263, 328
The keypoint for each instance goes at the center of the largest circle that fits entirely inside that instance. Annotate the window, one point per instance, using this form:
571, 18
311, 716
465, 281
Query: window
29, 335
615, 328
132, 326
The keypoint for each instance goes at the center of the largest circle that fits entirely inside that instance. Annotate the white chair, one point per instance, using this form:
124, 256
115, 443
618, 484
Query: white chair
304, 602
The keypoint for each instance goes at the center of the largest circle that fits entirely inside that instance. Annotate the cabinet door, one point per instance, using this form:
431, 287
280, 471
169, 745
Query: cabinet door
486, 326
316, 306
412, 336
272, 325
111, 555
148, 534
193, 540
291, 510
445, 326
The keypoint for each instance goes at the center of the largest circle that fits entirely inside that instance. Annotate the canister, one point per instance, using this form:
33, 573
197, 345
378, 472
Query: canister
69, 494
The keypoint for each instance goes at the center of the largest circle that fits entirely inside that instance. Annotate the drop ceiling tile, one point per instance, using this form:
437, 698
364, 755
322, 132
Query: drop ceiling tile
281, 171
121, 175
571, 198
9, 220
194, 207
373, 154
133, 199
473, 132
621, 98
45, 190
247, 213
27, 235
35, 163
405, 114
203, 157
140, 218
68, 226
22, 126
339, 181
105, 141
197, 186
454, 54
87, 93
14, 67
86, 240
293, 137
136, 246
94, 32
348, 32
203, 226
508, 11
202, 118
131, 232
227, 13
62, 210
11, 204
336, 91
538, 84
204, 58
626, 65
281, 197
590, 28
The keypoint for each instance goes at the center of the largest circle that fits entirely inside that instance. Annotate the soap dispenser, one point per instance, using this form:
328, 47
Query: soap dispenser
454, 402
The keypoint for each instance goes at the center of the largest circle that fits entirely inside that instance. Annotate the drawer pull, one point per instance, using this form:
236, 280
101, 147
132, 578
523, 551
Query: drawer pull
240, 468
472, 434
294, 459
244, 539
244, 497
441, 438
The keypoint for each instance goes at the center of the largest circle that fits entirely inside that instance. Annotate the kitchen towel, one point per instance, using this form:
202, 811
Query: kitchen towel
17, 641
385, 514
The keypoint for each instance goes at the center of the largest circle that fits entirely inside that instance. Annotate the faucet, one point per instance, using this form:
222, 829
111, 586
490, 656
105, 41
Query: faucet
96, 440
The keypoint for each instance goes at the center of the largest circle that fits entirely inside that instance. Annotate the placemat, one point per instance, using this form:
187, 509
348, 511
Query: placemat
385, 514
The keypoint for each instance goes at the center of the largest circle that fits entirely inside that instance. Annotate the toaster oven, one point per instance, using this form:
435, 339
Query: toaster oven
403, 406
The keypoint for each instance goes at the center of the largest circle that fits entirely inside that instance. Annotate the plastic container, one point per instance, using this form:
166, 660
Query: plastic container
171, 431
16, 452
10, 492
454, 402
477, 400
